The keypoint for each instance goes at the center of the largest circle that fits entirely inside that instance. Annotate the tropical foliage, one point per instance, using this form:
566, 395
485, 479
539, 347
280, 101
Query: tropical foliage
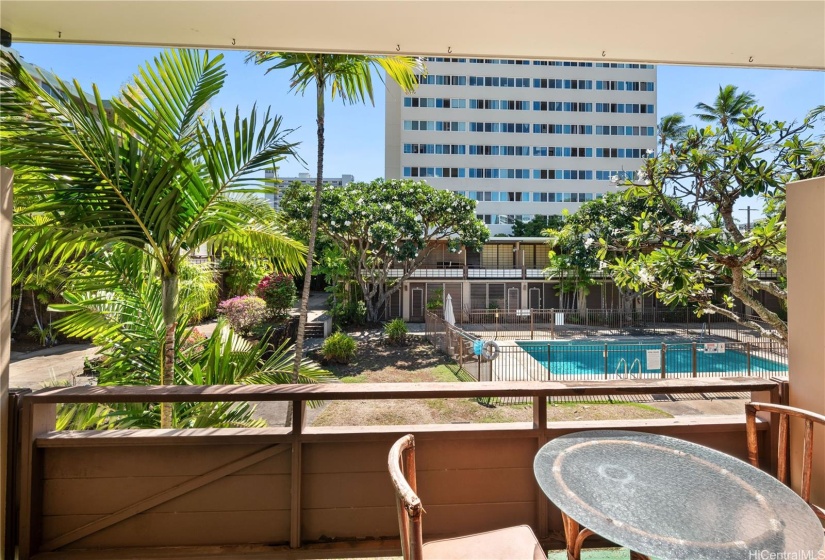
672, 128
348, 77
396, 331
708, 258
151, 171
116, 302
278, 291
198, 281
339, 347
576, 258
536, 226
243, 313
388, 225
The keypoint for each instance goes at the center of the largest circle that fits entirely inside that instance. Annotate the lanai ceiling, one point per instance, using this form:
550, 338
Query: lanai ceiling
788, 34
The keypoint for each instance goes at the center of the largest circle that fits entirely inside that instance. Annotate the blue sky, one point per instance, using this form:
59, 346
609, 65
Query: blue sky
355, 134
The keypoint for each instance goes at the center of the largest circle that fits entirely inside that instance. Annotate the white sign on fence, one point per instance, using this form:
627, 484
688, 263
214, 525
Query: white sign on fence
714, 348
559, 318
654, 359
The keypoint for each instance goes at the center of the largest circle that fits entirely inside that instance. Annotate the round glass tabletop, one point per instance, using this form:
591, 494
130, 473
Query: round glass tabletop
674, 499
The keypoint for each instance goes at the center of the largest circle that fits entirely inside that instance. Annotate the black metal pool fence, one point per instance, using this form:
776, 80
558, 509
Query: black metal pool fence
599, 359
549, 324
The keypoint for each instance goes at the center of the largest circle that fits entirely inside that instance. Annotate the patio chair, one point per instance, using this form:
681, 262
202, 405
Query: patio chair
785, 412
513, 543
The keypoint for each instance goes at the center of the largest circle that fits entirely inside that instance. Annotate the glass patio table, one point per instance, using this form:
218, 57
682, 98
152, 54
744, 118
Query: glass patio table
673, 499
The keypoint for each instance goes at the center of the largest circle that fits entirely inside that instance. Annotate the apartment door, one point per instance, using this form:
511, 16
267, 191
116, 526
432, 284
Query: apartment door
513, 298
417, 305
534, 296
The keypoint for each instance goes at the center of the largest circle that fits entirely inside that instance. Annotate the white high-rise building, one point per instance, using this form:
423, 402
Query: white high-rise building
522, 137
275, 198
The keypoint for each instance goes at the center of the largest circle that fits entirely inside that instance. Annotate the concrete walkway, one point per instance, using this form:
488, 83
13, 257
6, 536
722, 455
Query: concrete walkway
60, 365
63, 364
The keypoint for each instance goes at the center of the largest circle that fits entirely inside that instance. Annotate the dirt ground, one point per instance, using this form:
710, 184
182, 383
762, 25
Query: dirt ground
377, 362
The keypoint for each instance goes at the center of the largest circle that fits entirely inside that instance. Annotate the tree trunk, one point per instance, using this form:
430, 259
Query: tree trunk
169, 303
34, 309
373, 309
19, 307
581, 302
313, 231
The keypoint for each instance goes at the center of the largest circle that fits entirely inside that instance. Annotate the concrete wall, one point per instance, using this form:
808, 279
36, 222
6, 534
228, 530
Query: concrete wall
806, 320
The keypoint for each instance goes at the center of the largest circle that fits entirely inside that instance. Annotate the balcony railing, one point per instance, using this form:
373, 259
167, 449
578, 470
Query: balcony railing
457, 270
323, 491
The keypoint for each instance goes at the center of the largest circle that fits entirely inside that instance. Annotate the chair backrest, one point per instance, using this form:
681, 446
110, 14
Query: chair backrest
401, 464
785, 412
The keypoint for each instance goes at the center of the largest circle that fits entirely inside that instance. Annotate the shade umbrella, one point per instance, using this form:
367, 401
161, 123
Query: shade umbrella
449, 315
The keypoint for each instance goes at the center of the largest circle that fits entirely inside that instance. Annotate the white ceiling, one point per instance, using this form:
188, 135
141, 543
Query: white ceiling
754, 33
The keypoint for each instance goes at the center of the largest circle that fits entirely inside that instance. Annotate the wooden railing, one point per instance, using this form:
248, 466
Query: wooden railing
304, 491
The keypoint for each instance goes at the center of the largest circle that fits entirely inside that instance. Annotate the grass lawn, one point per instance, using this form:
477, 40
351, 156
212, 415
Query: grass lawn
419, 362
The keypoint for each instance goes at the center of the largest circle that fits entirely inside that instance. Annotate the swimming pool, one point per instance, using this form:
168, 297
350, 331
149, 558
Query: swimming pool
644, 359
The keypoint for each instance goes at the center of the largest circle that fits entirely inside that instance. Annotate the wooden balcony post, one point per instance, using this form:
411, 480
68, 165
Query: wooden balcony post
772, 396
36, 420
298, 425
542, 503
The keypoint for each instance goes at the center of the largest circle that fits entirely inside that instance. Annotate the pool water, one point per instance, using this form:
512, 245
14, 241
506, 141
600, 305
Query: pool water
585, 357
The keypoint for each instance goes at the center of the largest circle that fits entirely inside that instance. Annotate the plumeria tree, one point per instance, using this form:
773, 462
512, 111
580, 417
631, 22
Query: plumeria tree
577, 256
388, 225
708, 258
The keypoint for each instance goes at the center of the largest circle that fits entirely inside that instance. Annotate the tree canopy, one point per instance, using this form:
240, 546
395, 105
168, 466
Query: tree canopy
708, 258
388, 225
577, 258
536, 226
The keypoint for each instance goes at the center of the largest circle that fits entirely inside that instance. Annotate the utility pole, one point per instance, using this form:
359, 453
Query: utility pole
749, 219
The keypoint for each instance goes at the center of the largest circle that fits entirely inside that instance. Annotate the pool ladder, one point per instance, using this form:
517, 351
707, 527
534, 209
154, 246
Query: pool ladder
628, 372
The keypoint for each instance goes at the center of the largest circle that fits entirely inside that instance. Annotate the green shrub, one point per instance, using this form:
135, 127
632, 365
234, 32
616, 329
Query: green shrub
279, 293
198, 291
396, 331
241, 278
349, 313
436, 300
339, 347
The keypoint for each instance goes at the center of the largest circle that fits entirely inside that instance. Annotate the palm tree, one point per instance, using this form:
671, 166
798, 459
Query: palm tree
155, 174
671, 128
116, 301
347, 76
728, 106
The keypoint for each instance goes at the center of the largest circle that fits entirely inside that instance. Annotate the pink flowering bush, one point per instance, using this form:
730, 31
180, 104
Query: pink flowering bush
279, 293
195, 338
244, 312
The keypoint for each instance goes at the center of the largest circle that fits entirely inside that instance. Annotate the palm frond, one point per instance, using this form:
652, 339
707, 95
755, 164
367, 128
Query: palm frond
174, 92
346, 76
